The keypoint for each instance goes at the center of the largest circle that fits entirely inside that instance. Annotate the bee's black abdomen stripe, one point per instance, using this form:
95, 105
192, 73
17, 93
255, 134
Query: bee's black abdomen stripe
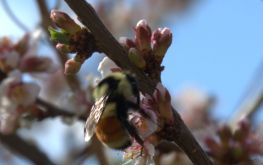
112, 82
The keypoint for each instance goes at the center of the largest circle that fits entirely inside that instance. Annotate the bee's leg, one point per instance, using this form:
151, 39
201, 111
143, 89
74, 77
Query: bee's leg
141, 154
132, 131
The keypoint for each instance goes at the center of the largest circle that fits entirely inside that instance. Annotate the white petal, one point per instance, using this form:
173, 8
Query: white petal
105, 66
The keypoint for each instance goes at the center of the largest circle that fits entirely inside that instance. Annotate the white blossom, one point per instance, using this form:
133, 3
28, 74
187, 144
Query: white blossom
17, 91
15, 97
106, 66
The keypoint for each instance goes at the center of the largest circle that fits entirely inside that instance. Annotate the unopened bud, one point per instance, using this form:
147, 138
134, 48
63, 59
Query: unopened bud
161, 40
225, 134
243, 131
63, 48
58, 36
72, 67
143, 36
63, 21
136, 58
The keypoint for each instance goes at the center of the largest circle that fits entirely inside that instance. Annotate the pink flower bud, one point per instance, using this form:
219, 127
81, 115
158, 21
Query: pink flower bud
62, 20
161, 41
143, 36
72, 67
225, 133
63, 48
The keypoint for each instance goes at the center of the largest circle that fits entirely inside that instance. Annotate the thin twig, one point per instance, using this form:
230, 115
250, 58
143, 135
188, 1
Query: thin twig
99, 151
247, 105
80, 156
13, 17
110, 46
25, 149
247, 110
54, 111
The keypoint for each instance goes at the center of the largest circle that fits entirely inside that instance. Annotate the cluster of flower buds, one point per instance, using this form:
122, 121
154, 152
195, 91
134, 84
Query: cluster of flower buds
71, 38
17, 97
159, 111
148, 48
235, 147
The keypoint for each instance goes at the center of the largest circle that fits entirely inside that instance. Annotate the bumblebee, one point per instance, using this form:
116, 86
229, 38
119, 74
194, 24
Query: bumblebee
115, 97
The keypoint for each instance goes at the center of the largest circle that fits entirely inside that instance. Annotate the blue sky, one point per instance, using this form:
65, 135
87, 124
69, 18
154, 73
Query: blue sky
217, 48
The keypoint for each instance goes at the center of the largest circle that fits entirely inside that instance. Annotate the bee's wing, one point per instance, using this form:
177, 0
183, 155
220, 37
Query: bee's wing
94, 117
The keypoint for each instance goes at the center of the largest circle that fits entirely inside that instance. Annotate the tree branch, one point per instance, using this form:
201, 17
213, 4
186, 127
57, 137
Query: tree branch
25, 149
110, 46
